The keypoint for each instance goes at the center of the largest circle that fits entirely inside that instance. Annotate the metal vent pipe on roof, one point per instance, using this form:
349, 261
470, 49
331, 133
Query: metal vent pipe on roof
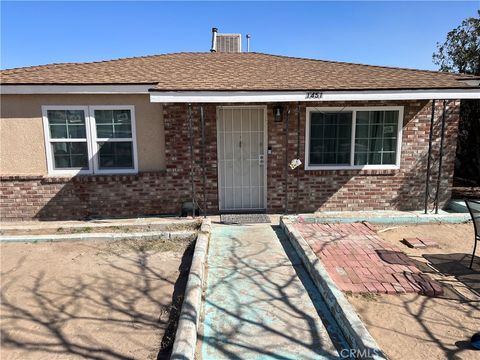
248, 42
214, 40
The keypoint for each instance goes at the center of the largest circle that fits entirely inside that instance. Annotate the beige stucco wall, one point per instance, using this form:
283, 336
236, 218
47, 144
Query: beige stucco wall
22, 144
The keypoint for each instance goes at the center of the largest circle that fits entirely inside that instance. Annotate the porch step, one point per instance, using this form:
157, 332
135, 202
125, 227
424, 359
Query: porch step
244, 218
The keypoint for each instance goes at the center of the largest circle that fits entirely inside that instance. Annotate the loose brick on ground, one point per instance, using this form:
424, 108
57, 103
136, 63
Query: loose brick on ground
414, 243
428, 242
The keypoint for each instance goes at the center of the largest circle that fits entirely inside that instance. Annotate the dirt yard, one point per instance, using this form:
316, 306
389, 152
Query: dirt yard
418, 327
98, 300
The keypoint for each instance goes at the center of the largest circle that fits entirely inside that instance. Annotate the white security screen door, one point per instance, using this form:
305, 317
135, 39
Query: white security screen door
241, 133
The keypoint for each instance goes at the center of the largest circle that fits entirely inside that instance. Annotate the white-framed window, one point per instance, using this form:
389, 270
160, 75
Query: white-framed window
90, 139
353, 138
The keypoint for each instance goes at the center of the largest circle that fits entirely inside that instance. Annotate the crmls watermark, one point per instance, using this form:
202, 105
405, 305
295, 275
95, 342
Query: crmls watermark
358, 353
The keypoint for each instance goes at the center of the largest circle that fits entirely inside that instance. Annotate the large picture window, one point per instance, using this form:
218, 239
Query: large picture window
90, 139
345, 138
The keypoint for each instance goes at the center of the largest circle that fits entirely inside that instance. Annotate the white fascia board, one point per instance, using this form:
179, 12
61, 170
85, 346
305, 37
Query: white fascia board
287, 96
75, 89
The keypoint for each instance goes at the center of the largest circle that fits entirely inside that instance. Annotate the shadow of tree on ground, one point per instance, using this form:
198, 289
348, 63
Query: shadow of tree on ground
457, 266
119, 308
256, 302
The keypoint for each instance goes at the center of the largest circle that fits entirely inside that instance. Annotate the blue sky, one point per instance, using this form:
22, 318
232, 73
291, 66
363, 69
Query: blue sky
385, 33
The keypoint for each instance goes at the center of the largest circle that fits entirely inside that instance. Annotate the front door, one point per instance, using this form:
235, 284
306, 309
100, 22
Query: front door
241, 150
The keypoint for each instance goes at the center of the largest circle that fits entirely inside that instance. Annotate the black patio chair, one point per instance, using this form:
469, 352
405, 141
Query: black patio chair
474, 209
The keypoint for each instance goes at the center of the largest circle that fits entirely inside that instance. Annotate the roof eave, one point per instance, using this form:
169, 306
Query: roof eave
159, 89
311, 96
30, 89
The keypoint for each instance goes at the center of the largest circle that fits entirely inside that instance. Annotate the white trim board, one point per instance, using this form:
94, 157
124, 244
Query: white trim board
309, 96
74, 89
242, 96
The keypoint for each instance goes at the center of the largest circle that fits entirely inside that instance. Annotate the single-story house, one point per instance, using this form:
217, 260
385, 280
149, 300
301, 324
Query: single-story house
142, 136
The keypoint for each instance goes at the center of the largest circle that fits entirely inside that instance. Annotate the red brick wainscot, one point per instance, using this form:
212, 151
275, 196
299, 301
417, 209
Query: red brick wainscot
80, 197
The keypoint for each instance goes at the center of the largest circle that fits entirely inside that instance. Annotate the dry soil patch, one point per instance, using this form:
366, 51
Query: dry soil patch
91, 299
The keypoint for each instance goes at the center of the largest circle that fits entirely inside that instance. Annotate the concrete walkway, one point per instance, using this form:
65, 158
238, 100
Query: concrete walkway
260, 302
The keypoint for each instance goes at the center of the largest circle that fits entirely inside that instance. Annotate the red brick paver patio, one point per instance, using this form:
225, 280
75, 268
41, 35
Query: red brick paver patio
358, 260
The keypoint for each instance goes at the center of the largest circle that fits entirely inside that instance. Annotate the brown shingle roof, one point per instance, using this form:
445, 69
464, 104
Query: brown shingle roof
232, 71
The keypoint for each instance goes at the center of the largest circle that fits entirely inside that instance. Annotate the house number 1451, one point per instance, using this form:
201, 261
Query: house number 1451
313, 95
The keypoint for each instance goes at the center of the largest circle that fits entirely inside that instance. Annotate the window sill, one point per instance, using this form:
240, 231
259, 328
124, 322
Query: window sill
91, 173
68, 173
353, 171
355, 168
116, 172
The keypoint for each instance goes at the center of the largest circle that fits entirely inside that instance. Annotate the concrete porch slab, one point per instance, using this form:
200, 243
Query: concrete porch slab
382, 217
